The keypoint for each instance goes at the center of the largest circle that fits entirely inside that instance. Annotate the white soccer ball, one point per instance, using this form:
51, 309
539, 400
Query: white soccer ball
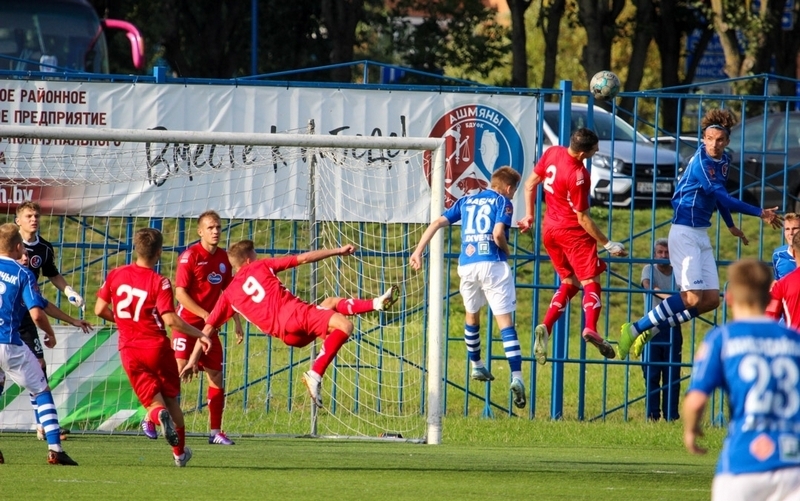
604, 85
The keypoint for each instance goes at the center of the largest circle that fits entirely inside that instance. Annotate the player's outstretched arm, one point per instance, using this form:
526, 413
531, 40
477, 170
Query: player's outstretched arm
531, 183
416, 257
190, 369
693, 406
53, 311
319, 255
73, 297
588, 224
40, 319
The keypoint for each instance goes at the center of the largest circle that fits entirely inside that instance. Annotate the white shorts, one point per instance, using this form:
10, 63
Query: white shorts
692, 259
490, 282
20, 365
775, 485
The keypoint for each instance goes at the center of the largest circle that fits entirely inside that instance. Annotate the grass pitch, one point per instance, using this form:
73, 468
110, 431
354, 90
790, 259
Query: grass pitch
479, 459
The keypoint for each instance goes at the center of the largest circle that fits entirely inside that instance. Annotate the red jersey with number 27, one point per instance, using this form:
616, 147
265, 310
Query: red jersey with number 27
204, 276
565, 181
257, 294
138, 296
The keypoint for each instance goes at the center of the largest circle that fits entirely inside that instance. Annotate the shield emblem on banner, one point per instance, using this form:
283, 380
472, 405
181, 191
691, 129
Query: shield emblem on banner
478, 140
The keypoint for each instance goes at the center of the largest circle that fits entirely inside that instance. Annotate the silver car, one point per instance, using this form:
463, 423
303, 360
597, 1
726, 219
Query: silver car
627, 168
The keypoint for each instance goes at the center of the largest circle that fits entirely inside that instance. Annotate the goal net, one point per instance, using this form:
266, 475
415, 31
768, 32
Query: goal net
289, 193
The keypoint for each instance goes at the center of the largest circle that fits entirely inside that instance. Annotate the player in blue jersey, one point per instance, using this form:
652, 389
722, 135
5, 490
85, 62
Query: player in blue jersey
700, 191
483, 268
756, 362
783, 258
18, 293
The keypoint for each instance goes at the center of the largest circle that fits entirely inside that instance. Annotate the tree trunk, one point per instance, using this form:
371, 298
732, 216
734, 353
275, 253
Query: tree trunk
341, 18
645, 29
551, 28
599, 20
519, 52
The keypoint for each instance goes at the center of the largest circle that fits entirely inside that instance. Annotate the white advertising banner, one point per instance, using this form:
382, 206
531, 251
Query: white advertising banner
483, 132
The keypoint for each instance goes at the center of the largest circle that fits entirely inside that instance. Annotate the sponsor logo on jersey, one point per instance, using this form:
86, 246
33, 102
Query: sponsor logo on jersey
478, 140
711, 173
214, 278
165, 284
202, 263
35, 261
762, 447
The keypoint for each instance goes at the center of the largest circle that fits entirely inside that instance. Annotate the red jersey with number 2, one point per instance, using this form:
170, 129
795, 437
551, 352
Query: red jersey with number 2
138, 296
565, 181
257, 294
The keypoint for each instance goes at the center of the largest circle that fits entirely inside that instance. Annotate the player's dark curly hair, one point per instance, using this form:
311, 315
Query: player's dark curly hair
718, 118
583, 140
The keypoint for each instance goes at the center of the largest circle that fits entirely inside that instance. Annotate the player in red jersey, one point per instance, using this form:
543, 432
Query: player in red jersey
786, 293
203, 272
570, 236
259, 296
140, 300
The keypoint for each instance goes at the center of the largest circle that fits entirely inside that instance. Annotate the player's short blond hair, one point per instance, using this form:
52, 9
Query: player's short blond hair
790, 216
506, 175
10, 238
209, 214
240, 251
749, 281
29, 206
147, 242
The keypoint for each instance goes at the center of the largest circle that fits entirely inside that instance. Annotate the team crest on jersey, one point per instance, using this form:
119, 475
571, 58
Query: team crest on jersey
724, 169
222, 268
470, 250
214, 278
478, 140
36, 261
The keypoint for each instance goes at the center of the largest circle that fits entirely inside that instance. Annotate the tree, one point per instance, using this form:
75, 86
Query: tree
550, 24
462, 35
599, 18
340, 18
519, 64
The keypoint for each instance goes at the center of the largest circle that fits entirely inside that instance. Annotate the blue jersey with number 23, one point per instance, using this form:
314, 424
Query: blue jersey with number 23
479, 214
757, 363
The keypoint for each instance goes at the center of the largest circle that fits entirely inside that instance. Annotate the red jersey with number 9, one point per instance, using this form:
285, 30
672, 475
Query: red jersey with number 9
257, 294
565, 181
138, 296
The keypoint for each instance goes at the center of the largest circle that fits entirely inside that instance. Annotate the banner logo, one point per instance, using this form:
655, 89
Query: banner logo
478, 141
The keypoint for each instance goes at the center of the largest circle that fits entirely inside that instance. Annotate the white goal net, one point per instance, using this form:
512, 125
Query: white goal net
289, 193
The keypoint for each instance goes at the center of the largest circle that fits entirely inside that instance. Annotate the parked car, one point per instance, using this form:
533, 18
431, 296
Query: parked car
627, 168
686, 145
768, 148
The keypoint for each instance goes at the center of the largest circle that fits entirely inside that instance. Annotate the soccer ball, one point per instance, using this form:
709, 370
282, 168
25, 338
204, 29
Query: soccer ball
604, 85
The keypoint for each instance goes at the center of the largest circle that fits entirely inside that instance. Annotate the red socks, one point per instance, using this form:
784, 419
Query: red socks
178, 449
216, 403
153, 415
559, 303
354, 306
591, 305
330, 347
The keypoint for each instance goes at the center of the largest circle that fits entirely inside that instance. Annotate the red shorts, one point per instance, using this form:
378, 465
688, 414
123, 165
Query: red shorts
573, 252
301, 323
151, 371
184, 345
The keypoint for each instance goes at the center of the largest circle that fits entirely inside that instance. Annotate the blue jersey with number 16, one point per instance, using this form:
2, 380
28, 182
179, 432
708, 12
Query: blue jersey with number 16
479, 214
757, 363
18, 293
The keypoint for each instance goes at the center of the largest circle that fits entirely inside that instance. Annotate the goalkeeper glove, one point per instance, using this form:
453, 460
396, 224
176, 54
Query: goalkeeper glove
614, 247
74, 298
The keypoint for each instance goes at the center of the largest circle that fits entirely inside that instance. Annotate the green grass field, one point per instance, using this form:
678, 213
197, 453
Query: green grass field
479, 459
